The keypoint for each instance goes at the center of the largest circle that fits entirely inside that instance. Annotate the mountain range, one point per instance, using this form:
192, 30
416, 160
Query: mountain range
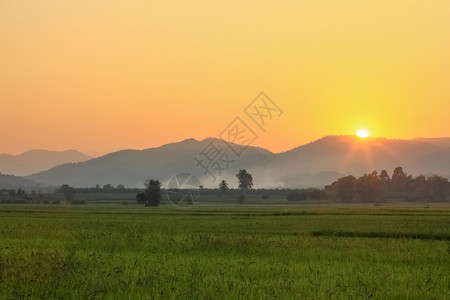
315, 164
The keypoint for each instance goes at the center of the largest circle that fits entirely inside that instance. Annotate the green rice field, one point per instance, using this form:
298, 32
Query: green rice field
225, 252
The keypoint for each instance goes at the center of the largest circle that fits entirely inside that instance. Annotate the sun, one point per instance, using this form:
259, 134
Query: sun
362, 133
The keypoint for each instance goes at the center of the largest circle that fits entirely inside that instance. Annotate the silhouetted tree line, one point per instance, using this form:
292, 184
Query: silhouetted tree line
20, 196
377, 188
108, 188
306, 194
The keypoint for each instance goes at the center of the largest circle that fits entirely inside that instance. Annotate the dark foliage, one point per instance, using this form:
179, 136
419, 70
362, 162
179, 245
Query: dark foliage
245, 183
152, 194
297, 195
376, 188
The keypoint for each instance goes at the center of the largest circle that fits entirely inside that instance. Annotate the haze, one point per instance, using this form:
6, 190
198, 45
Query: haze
101, 76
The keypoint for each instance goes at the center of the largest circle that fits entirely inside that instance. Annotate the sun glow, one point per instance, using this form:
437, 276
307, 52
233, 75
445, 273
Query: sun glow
362, 133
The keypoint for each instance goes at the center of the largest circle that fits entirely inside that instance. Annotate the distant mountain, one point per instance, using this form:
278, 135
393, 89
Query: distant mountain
314, 164
353, 155
132, 167
437, 141
11, 182
37, 160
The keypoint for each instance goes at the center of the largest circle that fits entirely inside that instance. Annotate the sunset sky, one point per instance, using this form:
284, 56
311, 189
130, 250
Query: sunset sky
101, 75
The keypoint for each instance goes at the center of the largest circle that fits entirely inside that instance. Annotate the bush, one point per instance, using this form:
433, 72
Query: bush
317, 194
296, 195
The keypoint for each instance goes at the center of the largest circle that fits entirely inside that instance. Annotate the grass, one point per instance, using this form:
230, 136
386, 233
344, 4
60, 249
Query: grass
224, 252
372, 234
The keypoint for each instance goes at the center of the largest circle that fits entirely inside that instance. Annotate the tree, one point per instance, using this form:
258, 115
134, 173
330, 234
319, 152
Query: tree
108, 187
418, 190
317, 194
346, 188
245, 180
398, 180
21, 192
374, 188
223, 186
437, 188
370, 188
151, 195
152, 192
67, 191
296, 195
245, 183
141, 198
384, 176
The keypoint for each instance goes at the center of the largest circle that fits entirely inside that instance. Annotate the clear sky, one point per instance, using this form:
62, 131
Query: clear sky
101, 75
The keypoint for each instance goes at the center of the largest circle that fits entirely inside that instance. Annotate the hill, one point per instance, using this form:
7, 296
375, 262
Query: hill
445, 142
34, 161
10, 182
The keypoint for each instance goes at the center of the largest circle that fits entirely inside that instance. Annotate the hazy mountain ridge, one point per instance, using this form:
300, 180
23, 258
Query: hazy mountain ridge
352, 155
314, 164
37, 160
11, 182
133, 167
444, 141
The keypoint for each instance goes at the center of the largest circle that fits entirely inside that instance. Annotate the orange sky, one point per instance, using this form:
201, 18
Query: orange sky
100, 76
